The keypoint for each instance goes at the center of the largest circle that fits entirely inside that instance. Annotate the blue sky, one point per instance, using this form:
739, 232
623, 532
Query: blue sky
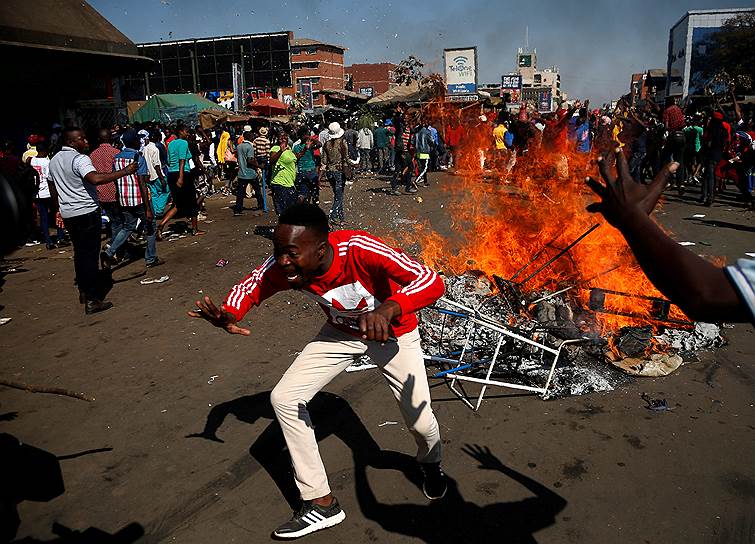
596, 45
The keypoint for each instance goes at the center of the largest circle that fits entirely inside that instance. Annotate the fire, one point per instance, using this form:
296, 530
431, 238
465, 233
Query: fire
502, 223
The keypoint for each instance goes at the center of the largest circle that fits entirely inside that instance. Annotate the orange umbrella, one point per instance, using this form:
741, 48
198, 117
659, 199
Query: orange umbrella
268, 106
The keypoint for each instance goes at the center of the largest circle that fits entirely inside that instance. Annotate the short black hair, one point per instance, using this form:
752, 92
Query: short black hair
68, 132
306, 215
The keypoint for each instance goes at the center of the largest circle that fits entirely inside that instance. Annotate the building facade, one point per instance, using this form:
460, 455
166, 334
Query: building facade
540, 86
371, 79
206, 64
690, 49
315, 66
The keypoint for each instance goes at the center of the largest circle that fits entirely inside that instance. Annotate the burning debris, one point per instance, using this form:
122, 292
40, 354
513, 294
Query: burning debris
541, 341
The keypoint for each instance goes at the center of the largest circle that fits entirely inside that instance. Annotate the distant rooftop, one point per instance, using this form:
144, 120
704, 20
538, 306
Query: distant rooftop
309, 41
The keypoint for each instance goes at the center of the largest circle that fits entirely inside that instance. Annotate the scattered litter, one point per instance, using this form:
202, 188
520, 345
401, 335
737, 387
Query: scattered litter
62, 251
221, 263
30, 244
656, 405
161, 279
698, 216
363, 363
659, 364
163, 411
384, 423
212, 378
4, 320
750, 255
208, 221
686, 243
703, 336
419, 199
705, 244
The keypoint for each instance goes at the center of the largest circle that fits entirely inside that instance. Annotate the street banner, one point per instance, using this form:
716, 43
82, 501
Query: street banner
461, 71
238, 89
544, 101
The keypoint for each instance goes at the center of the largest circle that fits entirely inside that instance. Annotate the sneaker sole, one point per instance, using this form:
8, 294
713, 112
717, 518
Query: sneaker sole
324, 524
434, 498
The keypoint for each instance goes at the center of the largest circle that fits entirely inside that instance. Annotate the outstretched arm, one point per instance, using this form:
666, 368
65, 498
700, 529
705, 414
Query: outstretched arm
698, 287
488, 461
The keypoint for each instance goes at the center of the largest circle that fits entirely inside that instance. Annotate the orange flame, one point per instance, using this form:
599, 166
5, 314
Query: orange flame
501, 220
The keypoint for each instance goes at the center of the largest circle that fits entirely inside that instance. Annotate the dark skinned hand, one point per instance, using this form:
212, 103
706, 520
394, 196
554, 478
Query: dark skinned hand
207, 310
130, 168
376, 325
622, 197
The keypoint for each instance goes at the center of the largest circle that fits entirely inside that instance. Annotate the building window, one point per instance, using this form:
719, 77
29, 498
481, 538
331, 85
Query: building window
305, 65
311, 50
538, 78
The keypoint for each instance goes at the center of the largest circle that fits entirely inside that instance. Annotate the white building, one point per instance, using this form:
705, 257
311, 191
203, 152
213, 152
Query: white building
691, 43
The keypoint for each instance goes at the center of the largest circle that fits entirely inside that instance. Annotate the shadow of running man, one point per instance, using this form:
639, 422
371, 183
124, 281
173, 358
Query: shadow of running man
453, 519
329, 415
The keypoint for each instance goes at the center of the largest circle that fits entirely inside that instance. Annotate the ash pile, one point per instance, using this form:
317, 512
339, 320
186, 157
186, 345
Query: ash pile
460, 335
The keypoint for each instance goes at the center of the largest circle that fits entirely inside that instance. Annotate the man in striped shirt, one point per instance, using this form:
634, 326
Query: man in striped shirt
261, 146
369, 293
134, 202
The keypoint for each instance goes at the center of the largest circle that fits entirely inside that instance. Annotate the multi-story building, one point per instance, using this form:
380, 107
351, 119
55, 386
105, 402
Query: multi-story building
371, 79
691, 50
543, 86
315, 66
648, 85
206, 64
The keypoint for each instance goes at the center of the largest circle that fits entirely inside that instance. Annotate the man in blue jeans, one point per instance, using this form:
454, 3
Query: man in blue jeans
334, 159
134, 201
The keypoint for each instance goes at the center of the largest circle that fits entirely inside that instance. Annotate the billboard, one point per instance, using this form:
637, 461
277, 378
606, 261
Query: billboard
524, 60
511, 85
544, 100
461, 71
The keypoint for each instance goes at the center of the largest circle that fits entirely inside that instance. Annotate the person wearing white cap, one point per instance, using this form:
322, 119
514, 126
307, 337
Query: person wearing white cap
334, 160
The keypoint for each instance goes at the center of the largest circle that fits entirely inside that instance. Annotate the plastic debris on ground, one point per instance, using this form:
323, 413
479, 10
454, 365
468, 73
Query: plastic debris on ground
385, 423
149, 281
656, 405
221, 263
4, 320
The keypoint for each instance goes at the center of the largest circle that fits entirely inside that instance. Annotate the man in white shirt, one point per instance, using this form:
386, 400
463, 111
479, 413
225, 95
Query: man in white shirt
41, 164
157, 185
74, 178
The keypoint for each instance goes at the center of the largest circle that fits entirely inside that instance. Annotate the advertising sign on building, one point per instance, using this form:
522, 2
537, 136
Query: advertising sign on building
461, 71
544, 101
511, 86
366, 91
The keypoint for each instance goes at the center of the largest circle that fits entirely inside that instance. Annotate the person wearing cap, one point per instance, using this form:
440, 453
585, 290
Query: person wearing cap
334, 160
283, 177
134, 202
74, 179
31, 147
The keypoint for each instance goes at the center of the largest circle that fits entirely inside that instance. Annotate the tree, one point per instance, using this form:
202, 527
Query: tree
408, 70
733, 50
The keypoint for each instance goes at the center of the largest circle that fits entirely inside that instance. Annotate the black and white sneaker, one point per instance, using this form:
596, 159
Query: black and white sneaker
311, 517
434, 484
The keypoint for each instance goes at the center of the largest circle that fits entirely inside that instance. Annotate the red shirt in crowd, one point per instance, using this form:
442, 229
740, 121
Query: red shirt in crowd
102, 160
673, 118
365, 273
454, 135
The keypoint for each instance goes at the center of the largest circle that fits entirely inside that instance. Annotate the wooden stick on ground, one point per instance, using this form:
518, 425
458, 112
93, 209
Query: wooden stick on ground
51, 390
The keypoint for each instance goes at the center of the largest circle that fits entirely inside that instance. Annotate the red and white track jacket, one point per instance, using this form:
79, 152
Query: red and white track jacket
364, 274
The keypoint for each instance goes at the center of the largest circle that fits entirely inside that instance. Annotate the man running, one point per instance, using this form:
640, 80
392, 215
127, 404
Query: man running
370, 293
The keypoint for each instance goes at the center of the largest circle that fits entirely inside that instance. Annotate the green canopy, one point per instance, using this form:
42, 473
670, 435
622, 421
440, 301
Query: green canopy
169, 108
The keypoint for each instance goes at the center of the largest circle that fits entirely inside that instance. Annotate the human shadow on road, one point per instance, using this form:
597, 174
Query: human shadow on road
454, 519
32, 474
329, 414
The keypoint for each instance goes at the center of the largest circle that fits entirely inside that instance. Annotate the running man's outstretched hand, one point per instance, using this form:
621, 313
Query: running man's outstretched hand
225, 320
622, 197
